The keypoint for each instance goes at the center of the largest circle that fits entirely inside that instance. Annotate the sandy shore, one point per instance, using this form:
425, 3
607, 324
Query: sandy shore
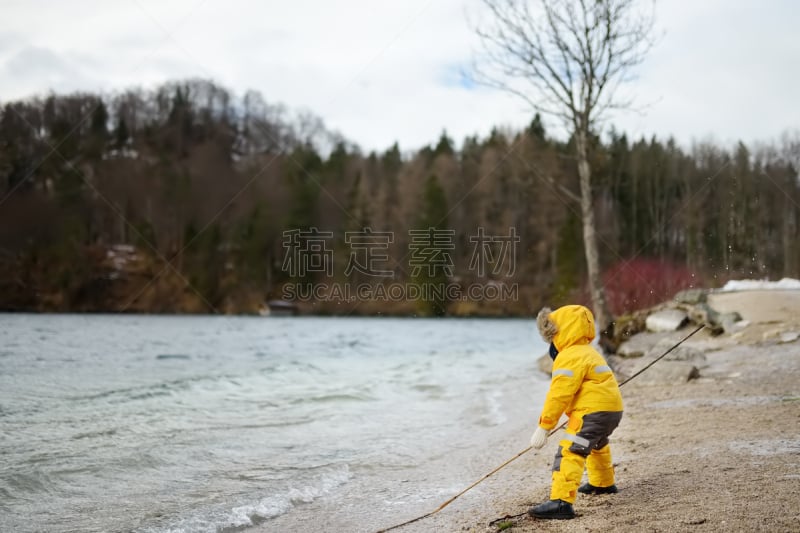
719, 453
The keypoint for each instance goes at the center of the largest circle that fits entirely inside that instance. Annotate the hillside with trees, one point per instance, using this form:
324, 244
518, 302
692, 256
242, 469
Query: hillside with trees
181, 198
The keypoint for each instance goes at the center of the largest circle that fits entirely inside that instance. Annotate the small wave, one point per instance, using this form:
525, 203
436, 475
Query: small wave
35, 481
5, 498
173, 356
326, 398
117, 396
495, 415
144, 392
149, 394
94, 434
244, 516
285, 422
432, 390
306, 366
272, 506
487, 410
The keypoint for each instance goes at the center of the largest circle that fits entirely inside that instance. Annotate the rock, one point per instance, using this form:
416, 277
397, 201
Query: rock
666, 373
728, 321
666, 320
681, 353
625, 327
717, 322
631, 349
618, 365
691, 296
704, 314
545, 364
780, 335
681, 364
700, 313
638, 345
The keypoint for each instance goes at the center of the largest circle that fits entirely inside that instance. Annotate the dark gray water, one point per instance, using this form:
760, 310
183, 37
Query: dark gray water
145, 423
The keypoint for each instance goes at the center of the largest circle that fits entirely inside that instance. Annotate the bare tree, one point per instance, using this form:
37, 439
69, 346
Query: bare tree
566, 58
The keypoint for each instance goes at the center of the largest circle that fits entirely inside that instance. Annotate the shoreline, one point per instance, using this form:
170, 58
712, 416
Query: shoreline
720, 452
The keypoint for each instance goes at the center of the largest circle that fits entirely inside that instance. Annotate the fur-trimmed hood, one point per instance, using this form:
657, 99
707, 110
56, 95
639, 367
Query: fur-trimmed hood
566, 326
547, 328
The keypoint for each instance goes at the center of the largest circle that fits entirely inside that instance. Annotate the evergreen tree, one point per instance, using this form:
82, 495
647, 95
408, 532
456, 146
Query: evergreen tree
303, 175
431, 258
536, 128
121, 133
444, 146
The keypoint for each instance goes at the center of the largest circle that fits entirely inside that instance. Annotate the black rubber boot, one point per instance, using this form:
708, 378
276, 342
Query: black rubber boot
588, 488
554, 509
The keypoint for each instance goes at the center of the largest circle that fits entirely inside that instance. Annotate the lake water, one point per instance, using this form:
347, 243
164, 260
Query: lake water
156, 424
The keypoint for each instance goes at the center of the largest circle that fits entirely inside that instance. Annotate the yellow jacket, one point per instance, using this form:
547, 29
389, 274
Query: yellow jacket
582, 382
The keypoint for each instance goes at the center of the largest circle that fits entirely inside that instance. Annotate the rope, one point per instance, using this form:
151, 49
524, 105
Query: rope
529, 448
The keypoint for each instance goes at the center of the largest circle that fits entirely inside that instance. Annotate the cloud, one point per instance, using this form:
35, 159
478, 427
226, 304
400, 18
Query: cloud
385, 71
35, 70
725, 71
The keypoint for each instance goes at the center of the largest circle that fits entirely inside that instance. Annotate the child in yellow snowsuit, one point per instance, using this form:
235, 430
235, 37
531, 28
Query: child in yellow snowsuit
584, 387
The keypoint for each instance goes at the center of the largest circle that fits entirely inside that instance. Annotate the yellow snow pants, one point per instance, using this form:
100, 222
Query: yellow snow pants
585, 444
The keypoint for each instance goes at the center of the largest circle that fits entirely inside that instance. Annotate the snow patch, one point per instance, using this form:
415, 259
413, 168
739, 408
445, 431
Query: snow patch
759, 285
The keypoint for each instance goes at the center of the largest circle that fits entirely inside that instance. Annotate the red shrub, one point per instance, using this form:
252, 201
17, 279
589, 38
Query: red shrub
641, 283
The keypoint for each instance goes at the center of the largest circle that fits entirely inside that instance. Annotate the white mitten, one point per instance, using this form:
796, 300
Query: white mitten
538, 438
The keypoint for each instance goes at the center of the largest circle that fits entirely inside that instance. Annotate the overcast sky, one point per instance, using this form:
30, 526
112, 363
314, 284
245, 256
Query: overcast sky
379, 71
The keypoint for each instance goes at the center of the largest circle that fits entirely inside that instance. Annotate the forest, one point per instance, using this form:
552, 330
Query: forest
186, 198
